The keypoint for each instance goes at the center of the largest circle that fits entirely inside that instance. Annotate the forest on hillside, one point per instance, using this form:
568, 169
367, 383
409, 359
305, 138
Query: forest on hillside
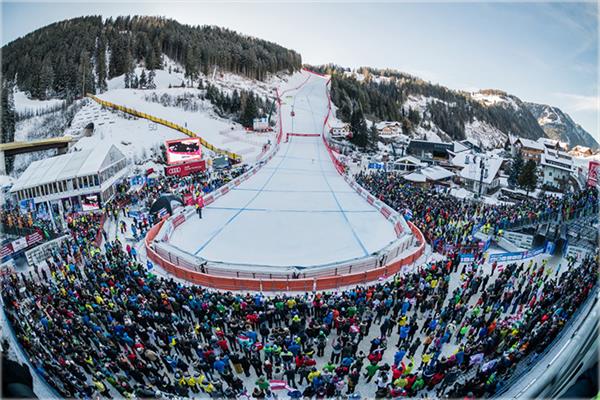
72, 57
385, 100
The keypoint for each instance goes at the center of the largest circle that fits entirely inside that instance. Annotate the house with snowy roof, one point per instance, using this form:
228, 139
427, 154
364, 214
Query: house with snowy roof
530, 149
581, 151
388, 128
406, 164
557, 167
553, 144
341, 130
478, 170
432, 175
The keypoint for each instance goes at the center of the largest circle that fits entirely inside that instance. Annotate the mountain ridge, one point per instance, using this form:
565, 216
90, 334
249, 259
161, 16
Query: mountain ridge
559, 125
50, 62
488, 116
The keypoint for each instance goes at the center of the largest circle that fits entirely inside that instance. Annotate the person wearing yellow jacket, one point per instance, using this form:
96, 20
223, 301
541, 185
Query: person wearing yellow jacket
401, 382
191, 382
209, 388
100, 387
426, 358
205, 384
313, 374
409, 368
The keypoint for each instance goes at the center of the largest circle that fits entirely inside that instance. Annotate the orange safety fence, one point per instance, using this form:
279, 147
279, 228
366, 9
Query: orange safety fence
278, 285
294, 285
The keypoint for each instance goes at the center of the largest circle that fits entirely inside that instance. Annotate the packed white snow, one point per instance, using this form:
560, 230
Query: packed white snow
24, 104
297, 210
220, 132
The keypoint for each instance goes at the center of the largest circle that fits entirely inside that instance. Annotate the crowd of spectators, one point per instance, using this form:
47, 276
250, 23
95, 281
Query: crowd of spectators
19, 222
446, 220
97, 321
108, 326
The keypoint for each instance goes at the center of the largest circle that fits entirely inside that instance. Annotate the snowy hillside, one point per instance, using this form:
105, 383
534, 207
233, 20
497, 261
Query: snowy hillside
205, 123
425, 110
186, 106
172, 76
138, 138
487, 116
495, 97
477, 131
44, 122
560, 126
482, 132
24, 104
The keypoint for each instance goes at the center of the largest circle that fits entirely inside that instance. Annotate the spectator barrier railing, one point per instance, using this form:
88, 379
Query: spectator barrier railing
400, 225
231, 155
239, 270
294, 284
324, 276
560, 368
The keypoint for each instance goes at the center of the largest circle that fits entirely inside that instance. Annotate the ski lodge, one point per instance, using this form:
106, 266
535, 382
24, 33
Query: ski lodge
72, 182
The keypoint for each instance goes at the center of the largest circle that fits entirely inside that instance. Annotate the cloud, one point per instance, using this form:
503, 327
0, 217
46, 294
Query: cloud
578, 102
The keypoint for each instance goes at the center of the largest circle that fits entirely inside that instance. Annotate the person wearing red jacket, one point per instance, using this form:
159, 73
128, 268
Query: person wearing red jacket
410, 380
199, 206
435, 379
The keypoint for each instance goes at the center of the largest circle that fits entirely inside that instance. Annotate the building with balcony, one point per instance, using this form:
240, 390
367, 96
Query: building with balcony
76, 181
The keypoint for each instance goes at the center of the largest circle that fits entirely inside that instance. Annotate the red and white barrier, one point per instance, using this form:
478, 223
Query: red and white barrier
400, 225
228, 277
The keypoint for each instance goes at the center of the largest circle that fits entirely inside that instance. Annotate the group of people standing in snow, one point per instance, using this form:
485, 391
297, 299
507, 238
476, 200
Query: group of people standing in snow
96, 321
449, 222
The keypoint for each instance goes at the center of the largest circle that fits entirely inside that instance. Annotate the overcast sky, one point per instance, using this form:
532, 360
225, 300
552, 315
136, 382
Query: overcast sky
541, 52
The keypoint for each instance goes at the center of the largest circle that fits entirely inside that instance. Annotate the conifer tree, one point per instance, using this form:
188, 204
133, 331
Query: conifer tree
249, 112
528, 177
515, 169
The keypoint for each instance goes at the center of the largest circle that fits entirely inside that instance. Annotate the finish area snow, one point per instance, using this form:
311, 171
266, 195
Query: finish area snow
297, 210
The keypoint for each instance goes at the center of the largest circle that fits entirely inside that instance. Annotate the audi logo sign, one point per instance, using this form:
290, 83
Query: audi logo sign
186, 169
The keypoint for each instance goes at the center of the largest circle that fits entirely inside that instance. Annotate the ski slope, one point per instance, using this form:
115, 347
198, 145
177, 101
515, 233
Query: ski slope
219, 132
297, 210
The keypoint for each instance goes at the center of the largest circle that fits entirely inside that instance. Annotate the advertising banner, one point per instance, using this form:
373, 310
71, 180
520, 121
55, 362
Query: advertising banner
185, 168
6, 250
27, 205
90, 202
19, 244
181, 150
376, 165
42, 211
593, 173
